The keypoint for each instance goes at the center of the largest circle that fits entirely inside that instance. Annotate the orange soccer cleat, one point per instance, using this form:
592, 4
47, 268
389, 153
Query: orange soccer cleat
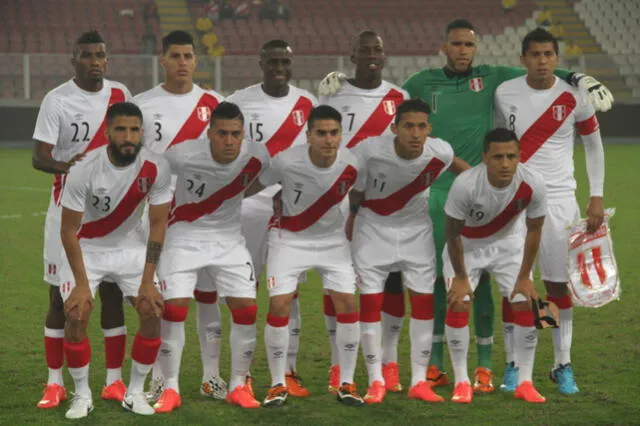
115, 391
243, 397
529, 393
375, 393
295, 386
483, 382
423, 391
52, 397
334, 379
435, 377
462, 394
391, 375
169, 400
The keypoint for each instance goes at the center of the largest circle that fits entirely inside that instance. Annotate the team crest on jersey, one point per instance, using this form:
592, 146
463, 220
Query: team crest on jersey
143, 184
298, 117
428, 178
476, 84
271, 282
389, 107
204, 113
519, 204
559, 112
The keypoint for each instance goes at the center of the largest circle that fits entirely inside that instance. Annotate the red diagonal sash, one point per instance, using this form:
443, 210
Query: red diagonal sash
546, 125
289, 130
197, 121
379, 119
518, 203
193, 211
397, 200
125, 208
333, 196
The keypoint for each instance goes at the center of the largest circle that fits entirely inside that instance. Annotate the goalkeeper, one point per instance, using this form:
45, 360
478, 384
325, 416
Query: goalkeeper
461, 98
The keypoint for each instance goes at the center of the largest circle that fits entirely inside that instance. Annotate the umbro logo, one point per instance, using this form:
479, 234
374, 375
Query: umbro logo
455, 342
157, 116
295, 331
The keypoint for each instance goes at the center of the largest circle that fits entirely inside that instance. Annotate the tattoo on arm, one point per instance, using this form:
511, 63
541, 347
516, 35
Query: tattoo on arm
153, 252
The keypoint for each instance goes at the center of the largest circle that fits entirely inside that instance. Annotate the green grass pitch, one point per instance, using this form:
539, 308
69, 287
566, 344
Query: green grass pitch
606, 348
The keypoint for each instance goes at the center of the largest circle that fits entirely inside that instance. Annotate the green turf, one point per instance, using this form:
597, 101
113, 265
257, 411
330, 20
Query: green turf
606, 350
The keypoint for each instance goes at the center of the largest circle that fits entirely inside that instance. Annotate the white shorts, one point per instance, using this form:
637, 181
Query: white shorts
55, 259
288, 259
256, 214
554, 244
502, 259
226, 263
377, 251
123, 267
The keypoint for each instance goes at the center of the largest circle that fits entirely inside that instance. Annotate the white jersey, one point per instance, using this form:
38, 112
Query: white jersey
311, 195
491, 214
113, 198
366, 112
170, 118
208, 196
73, 121
545, 122
395, 193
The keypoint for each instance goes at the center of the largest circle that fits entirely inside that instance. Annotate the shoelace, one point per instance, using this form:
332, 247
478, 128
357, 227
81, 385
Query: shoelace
295, 378
276, 391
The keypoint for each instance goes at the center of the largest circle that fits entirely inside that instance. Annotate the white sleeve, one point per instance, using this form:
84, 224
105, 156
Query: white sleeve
161, 189
457, 204
361, 180
48, 123
446, 154
538, 205
175, 158
74, 195
594, 155
127, 94
272, 174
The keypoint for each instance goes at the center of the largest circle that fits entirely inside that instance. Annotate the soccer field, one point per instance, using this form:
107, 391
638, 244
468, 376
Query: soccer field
606, 348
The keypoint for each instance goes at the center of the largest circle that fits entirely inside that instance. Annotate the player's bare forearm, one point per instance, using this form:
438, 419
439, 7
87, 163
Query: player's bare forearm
531, 246
157, 228
71, 221
42, 159
458, 166
355, 198
453, 228
253, 189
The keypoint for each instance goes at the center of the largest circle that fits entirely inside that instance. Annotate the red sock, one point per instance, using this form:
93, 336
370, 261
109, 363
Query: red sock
115, 345
54, 347
78, 354
393, 304
145, 350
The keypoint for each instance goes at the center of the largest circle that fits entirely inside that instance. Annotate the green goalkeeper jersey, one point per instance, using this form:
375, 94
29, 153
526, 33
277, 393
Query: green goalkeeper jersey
462, 107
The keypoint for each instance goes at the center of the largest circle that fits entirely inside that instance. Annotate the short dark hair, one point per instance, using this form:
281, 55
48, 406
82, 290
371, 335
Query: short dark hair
362, 34
88, 37
178, 37
500, 135
458, 24
227, 111
274, 44
539, 35
123, 109
412, 105
323, 112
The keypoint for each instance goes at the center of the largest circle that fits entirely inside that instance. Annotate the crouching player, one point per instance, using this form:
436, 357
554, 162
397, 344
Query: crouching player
102, 205
484, 232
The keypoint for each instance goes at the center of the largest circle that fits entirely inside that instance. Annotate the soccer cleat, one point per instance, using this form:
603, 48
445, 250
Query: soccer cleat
334, 379
391, 376
81, 406
435, 377
214, 387
169, 400
52, 397
483, 382
243, 397
375, 393
462, 394
156, 386
276, 396
248, 384
527, 392
295, 386
510, 378
563, 376
424, 392
348, 395
138, 404
114, 391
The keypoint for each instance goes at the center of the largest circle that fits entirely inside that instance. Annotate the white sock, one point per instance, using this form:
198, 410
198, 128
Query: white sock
347, 339
276, 340
55, 377
391, 328
295, 324
458, 342
138, 375
81, 380
210, 337
113, 374
371, 341
562, 337
330, 324
243, 346
55, 374
508, 341
421, 333
156, 371
525, 340
170, 354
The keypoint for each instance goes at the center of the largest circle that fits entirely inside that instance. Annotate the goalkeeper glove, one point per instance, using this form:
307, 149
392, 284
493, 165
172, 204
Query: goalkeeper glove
599, 96
331, 84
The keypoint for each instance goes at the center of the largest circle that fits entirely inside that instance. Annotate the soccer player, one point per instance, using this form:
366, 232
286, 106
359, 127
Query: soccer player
461, 98
204, 238
393, 232
102, 203
484, 233
368, 105
71, 124
276, 114
175, 111
310, 233
545, 113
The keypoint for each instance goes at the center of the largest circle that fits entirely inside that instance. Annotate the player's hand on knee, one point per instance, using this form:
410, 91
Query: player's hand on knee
149, 293
595, 214
524, 288
331, 84
79, 304
460, 292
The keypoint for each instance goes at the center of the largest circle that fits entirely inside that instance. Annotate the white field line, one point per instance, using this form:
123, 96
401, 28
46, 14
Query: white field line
25, 188
20, 216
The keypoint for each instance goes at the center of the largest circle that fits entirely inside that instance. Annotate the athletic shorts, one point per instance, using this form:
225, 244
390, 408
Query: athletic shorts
288, 259
378, 250
437, 200
54, 256
226, 263
554, 244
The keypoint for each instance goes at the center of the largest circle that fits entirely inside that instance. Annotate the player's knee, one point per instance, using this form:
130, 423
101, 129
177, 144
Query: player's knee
280, 306
75, 330
344, 303
393, 284
460, 307
56, 304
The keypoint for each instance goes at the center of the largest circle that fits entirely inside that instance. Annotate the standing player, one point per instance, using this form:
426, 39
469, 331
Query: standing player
545, 113
393, 231
71, 124
310, 234
176, 111
484, 233
204, 238
368, 105
276, 113
461, 98
102, 204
